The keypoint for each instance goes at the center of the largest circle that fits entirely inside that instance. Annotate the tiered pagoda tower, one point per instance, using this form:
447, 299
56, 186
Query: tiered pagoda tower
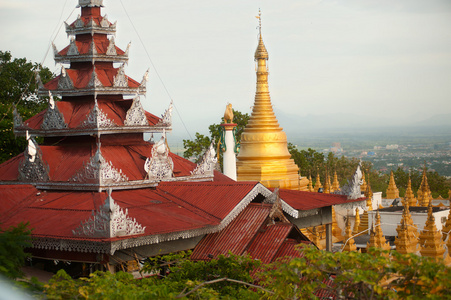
264, 152
392, 190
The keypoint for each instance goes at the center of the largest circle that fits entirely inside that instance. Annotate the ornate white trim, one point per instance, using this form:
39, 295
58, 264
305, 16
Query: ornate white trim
90, 3
136, 115
143, 83
53, 118
166, 118
286, 208
73, 50
64, 82
79, 22
99, 170
17, 119
207, 164
353, 205
105, 23
109, 221
91, 23
55, 50
160, 166
352, 187
111, 50
94, 81
120, 80
128, 49
97, 119
33, 168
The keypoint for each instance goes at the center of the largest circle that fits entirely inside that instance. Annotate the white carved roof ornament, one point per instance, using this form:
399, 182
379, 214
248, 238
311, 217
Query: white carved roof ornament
53, 118
33, 168
109, 221
208, 162
352, 187
160, 166
64, 82
97, 119
105, 22
136, 115
144, 80
128, 49
276, 213
121, 80
90, 3
166, 118
73, 50
79, 22
55, 50
38, 79
94, 82
111, 50
17, 119
98, 170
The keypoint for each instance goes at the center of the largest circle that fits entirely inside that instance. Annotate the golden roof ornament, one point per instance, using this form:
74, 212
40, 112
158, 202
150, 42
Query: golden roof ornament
348, 239
402, 241
411, 231
316, 239
310, 184
228, 114
327, 184
335, 184
431, 243
355, 230
377, 238
424, 193
392, 190
363, 186
409, 196
318, 184
369, 195
264, 154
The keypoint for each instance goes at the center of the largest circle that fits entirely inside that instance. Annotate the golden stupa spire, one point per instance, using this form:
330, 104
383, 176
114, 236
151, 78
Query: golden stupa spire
432, 244
318, 184
348, 239
316, 239
335, 184
264, 152
424, 193
327, 184
355, 230
392, 190
377, 238
363, 185
369, 195
409, 196
446, 230
336, 230
310, 184
411, 232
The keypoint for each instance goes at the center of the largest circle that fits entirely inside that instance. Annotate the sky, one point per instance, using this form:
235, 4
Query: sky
365, 60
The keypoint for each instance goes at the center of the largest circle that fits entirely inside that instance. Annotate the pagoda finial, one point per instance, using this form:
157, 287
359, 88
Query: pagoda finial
318, 184
410, 233
355, 230
363, 185
409, 196
310, 184
377, 238
335, 183
348, 239
260, 52
392, 190
431, 243
424, 193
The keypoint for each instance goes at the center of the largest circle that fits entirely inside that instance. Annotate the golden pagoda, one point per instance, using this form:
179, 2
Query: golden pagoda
355, 230
377, 239
327, 185
336, 230
402, 241
392, 190
318, 184
264, 152
310, 184
447, 227
407, 232
424, 193
432, 244
348, 239
316, 239
409, 196
335, 184
363, 226
363, 185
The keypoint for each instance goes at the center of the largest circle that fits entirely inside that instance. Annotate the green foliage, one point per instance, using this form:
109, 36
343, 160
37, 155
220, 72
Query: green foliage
194, 149
13, 241
377, 274
17, 81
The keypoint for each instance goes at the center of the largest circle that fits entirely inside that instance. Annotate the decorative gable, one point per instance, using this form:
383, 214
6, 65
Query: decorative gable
160, 166
33, 168
207, 164
53, 119
109, 221
97, 119
136, 115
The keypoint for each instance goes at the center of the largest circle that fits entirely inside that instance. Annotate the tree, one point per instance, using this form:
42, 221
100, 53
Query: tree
194, 149
13, 242
18, 86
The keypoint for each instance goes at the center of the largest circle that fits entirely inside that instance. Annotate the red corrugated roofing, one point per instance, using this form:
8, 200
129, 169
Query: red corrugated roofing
268, 241
81, 77
236, 236
301, 200
83, 44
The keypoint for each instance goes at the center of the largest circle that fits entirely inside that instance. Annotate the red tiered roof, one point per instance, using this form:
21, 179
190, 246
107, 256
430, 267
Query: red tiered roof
84, 42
